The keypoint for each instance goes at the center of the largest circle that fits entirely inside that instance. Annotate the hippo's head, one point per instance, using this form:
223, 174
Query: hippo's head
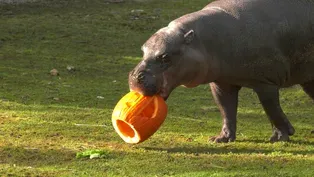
171, 57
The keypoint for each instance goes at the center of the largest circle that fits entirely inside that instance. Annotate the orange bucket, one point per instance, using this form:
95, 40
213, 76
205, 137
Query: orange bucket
136, 117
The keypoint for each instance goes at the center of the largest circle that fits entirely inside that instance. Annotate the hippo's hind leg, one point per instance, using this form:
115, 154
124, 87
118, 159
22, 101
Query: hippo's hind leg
308, 88
226, 97
269, 98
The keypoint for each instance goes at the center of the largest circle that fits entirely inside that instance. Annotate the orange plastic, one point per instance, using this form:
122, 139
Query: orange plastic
136, 117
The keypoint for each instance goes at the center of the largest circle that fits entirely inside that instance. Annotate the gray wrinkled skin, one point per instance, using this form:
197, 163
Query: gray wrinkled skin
260, 44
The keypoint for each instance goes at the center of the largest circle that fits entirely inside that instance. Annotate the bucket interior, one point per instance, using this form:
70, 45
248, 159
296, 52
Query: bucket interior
125, 129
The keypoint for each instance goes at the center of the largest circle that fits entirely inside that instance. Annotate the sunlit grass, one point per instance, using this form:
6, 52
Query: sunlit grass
45, 121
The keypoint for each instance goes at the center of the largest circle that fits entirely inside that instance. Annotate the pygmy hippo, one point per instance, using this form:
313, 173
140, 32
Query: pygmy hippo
264, 45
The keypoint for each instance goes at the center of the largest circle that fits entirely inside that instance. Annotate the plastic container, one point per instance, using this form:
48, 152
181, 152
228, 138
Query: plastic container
136, 117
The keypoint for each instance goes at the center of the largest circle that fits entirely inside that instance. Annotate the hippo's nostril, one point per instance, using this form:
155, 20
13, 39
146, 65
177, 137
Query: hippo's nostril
143, 82
140, 77
141, 74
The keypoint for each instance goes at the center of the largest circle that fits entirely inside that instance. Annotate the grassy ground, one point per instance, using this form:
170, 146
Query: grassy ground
46, 120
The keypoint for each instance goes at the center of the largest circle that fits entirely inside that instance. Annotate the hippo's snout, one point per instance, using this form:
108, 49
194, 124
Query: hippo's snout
143, 82
140, 77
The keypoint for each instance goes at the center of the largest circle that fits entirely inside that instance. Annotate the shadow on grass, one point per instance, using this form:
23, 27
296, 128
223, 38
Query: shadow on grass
34, 157
292, 142
220, 150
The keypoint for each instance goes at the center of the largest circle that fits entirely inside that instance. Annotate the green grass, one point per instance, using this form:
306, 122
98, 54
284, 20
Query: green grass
45, 121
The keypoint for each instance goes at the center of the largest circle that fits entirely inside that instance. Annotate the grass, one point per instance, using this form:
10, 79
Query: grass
45, 121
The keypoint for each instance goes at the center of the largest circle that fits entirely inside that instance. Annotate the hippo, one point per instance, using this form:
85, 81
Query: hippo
264, 45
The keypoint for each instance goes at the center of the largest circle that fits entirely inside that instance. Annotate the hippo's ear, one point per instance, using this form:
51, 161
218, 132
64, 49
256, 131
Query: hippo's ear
188, 37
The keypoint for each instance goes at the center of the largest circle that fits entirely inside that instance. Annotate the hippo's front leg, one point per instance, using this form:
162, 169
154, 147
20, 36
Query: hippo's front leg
226, 97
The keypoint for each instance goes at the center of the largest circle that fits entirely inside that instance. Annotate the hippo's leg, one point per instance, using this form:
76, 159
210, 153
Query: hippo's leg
269, 98
226, 97
309, 89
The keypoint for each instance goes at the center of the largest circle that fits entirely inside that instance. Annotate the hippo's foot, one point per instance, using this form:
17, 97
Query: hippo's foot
280, 135
283, 133
222, 138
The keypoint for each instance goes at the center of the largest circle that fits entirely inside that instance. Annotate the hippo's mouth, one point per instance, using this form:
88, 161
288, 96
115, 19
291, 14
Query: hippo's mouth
162, 92
160, 84
165, 89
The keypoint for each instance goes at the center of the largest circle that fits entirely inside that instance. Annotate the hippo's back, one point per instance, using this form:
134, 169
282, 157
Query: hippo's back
268, 28
289, 24
264, 8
